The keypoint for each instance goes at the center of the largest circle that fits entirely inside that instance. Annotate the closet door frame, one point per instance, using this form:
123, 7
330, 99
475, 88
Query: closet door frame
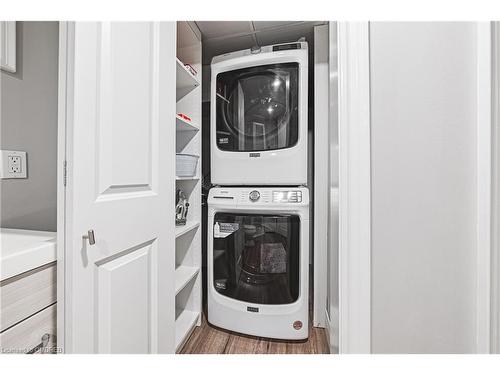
355, 194
484, 179
354, 187
495, 190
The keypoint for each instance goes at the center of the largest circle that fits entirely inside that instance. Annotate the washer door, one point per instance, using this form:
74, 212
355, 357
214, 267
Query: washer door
256, 257
257, 108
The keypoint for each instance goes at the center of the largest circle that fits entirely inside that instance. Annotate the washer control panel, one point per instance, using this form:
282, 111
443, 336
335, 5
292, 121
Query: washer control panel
258, 196
272, 196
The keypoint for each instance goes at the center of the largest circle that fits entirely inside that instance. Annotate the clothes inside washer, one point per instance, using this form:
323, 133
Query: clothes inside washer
272, 258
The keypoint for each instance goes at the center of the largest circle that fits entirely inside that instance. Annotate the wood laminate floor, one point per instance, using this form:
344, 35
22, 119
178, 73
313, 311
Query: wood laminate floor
208, 339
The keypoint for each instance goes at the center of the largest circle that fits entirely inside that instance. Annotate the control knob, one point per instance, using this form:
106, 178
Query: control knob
254, 195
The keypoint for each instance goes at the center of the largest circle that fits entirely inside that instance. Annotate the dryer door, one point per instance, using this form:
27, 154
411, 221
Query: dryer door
257, 108
256, 257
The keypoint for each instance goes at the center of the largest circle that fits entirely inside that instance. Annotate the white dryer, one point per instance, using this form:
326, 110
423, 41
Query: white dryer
258, 261
258, 107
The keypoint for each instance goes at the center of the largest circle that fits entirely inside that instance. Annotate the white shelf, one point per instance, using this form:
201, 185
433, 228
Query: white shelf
182, 125
184, 324
186, 82
188, 257
183, 229
183, 275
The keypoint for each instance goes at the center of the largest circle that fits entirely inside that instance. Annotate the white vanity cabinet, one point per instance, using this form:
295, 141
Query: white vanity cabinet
28, 311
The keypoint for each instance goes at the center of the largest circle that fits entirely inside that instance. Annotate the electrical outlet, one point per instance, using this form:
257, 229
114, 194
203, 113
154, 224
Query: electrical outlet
13, 164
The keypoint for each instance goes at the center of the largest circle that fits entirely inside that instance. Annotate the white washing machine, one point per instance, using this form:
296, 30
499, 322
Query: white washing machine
258, 260
259, 105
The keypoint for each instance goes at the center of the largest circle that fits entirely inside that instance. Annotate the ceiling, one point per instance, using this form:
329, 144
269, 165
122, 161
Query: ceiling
220, 37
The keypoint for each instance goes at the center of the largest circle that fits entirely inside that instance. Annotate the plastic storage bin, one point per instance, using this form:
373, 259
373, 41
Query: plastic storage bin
185, 165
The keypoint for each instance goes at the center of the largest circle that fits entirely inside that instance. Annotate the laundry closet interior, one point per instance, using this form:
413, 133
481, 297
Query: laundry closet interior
187, 175
257, 183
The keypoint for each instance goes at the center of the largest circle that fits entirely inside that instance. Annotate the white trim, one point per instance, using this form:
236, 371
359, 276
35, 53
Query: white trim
354, 188
483, 180
61, 189
331, 333
321, 183
65, 341
328, 331
495, 235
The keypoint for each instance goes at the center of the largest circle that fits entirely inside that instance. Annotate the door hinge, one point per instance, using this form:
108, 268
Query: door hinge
65, 173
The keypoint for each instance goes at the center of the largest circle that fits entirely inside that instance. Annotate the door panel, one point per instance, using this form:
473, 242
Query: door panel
124, 288
127, 103
121, 164
256, 257
257, 108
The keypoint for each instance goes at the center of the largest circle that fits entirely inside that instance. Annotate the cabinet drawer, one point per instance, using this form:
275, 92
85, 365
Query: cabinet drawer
25, 294
27, 335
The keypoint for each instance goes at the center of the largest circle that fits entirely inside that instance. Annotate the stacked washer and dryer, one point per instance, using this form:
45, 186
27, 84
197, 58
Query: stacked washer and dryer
258, 213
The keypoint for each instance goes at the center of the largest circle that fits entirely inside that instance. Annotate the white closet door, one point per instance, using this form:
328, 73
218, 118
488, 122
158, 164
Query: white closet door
120, 126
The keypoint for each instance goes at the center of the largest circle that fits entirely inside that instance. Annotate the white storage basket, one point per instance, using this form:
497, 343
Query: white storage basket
185, 165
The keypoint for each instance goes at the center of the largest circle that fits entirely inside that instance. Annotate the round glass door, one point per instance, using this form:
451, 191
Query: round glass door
257, 108
256, 257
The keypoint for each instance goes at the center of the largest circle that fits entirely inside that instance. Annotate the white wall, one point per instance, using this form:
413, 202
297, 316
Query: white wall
423, 109
29, 123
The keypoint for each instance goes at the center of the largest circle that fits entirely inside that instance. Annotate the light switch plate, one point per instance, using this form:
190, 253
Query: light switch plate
13, 164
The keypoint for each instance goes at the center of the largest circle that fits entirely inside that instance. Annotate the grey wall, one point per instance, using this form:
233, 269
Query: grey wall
423, 187
29, 123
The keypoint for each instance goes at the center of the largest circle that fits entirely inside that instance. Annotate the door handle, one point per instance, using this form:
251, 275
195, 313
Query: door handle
90, 236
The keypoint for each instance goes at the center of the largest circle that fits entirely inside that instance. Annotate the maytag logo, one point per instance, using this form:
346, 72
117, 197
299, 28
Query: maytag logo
255, 155
252, 309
